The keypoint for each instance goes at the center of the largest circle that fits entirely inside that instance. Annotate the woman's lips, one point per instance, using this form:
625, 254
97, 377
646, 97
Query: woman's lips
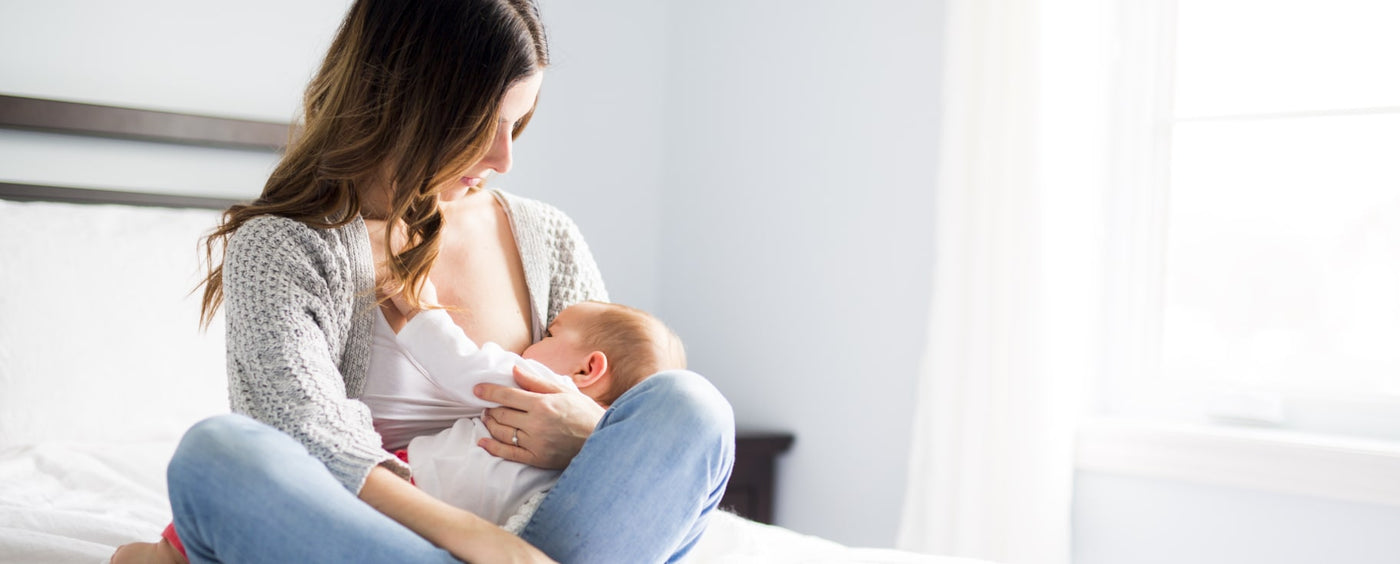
470, 181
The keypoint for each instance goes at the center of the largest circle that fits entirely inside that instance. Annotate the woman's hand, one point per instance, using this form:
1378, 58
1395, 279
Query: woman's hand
497, 545
542, 424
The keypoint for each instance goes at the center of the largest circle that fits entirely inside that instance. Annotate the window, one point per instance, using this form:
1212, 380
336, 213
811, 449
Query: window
1275, 219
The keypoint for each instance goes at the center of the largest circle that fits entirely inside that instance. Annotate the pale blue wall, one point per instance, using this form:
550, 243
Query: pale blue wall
797, 234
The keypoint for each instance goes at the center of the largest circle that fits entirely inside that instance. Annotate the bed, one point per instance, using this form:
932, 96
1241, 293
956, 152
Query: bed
102, 367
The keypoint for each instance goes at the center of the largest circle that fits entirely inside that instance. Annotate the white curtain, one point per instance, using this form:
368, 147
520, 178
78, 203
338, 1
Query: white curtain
1015, 327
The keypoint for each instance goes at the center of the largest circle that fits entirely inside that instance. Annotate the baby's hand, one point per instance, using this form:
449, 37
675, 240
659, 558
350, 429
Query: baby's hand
426, 296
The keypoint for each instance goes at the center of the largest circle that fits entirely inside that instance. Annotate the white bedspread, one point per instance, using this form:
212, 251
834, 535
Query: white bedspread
76, 503
73, 502
734, 540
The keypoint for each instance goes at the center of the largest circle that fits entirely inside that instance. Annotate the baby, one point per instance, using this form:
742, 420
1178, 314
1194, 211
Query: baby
601, 349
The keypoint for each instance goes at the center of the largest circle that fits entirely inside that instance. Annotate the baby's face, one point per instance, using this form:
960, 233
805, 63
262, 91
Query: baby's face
562, 348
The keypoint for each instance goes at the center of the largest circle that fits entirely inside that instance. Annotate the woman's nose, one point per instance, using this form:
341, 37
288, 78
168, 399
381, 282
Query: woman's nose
498, 158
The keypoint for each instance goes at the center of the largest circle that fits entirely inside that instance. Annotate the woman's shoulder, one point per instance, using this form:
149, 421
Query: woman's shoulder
267, 236
552, 248
275, 229
543, 231
534, 214
270, 229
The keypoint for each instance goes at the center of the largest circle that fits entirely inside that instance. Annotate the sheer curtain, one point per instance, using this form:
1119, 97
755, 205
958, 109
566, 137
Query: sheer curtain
1015, 323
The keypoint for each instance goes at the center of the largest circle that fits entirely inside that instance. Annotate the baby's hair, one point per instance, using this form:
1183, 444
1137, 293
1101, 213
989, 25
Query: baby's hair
637, 345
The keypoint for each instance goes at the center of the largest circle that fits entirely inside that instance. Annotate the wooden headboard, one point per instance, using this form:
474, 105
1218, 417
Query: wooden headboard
43, 193
92, 120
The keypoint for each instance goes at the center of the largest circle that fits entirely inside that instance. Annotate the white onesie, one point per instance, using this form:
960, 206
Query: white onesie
420, 383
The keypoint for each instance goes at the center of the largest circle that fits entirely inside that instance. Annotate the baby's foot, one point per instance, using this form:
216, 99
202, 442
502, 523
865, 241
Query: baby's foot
148, 553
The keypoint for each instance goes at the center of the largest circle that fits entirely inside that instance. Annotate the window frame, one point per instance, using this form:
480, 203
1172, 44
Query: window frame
1134, 430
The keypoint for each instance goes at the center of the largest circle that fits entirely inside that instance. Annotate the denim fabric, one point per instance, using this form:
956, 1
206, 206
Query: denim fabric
647, 479
242, 491
640, 491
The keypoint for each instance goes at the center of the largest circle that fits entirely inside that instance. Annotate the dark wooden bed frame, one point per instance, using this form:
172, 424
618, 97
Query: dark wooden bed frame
45, 193
751, 486
92, 120
37, 114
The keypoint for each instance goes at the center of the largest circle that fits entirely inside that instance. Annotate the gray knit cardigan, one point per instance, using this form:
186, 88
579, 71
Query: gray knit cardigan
299, 313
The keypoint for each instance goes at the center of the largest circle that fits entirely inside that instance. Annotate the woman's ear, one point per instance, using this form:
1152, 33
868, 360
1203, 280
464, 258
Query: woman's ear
595, 367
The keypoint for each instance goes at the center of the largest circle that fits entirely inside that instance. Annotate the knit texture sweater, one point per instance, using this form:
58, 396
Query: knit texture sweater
299, 314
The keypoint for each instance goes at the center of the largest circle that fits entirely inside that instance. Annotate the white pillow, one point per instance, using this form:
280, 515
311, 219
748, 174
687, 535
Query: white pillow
99, 334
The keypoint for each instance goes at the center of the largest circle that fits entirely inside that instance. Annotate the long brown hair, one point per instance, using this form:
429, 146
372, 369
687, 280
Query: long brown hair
407, 97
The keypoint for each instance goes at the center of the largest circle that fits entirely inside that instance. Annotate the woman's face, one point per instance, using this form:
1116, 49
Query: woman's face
518, 101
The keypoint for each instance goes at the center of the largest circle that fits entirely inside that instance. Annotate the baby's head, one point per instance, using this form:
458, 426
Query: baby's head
607, 348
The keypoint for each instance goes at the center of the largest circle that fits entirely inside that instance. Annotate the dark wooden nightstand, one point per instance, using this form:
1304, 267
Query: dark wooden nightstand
750, 490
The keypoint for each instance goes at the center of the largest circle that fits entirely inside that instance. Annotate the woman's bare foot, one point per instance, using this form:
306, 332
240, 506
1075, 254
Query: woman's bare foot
148, 553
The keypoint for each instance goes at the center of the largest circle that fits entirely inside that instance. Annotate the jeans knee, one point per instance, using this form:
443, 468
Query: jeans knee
691, 400
218, 441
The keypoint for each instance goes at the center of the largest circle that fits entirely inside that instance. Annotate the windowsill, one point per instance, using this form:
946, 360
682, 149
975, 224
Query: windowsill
1288, 462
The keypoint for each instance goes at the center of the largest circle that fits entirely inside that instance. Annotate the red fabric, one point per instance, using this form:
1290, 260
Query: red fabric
403, 455
174, 538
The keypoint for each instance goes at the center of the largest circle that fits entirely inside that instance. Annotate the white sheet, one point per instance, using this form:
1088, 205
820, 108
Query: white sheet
731, 539
66, 503
71, 502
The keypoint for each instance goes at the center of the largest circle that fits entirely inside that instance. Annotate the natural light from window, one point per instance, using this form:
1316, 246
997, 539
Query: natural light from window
1283, 234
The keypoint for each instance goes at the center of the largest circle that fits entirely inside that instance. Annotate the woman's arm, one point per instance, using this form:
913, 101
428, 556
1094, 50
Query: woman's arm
293, 295
242, 491
460, 532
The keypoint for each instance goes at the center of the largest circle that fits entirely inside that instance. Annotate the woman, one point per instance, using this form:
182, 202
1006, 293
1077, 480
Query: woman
415, 105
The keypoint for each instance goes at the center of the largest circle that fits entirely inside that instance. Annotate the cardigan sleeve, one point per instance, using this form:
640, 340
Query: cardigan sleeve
289, 304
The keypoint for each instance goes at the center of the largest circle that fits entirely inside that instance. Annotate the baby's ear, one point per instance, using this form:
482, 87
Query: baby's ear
595, 367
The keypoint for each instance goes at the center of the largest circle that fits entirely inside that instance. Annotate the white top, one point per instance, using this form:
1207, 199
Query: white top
420, 381
299, 313
419, 392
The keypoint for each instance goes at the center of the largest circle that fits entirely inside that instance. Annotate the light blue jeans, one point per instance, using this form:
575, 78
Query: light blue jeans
640, 491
